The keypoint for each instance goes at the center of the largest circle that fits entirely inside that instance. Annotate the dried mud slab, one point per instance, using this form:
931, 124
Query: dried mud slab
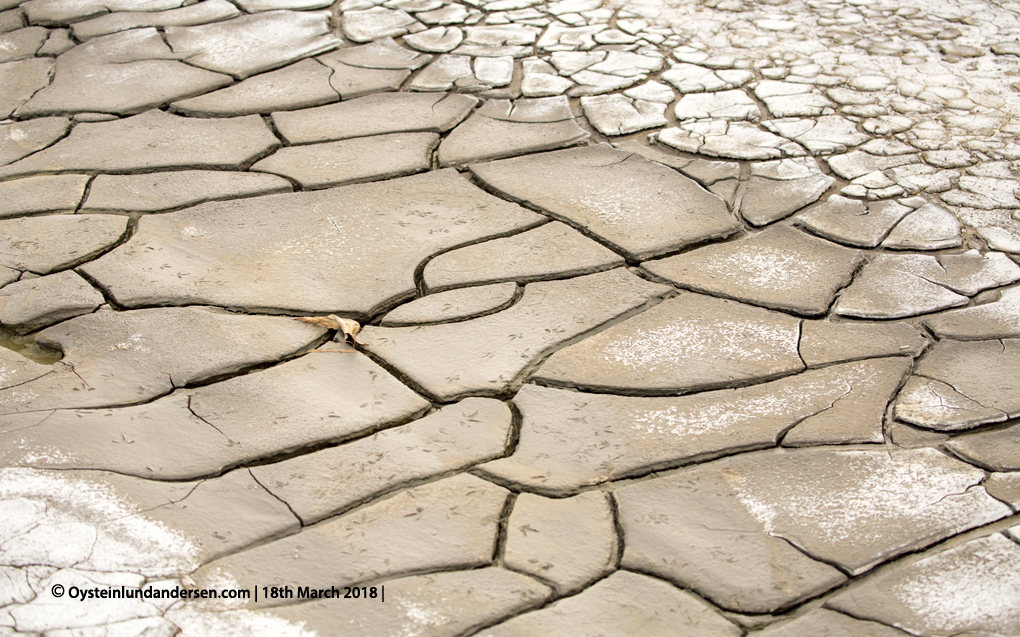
642, 208
997, 450
494, 132
488, 354
43, 193
827, 622
570, 541
352, 249
902, 285
298, 86
190, 434
123, 358
551, 251
452, 305
35, 303
153, 192
151, 141
456, 437
50, 243
433, 605
351, 161
19, 139
127, 72
824, 342
375, 115
779, 268
612, 607
725, 529
972, 588
960, 385
689, 343
570, 440
254, 43
999, 319
445, 525
109, 522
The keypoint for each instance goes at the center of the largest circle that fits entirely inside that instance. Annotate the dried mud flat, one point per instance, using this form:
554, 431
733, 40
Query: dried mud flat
694, 318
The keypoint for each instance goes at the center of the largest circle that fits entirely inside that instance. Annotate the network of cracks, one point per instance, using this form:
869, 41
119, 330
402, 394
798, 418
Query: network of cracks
695, 319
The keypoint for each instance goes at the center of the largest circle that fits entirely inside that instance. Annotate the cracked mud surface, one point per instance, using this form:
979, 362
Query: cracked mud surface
694, 317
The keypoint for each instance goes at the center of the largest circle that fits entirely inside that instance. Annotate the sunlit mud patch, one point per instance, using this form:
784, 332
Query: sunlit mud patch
970, 589
66, 538
975, 586
69, 521
858, 507
69, 535
58, 604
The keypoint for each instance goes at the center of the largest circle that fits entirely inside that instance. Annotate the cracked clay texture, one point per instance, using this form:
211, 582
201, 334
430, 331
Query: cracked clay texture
623, 318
